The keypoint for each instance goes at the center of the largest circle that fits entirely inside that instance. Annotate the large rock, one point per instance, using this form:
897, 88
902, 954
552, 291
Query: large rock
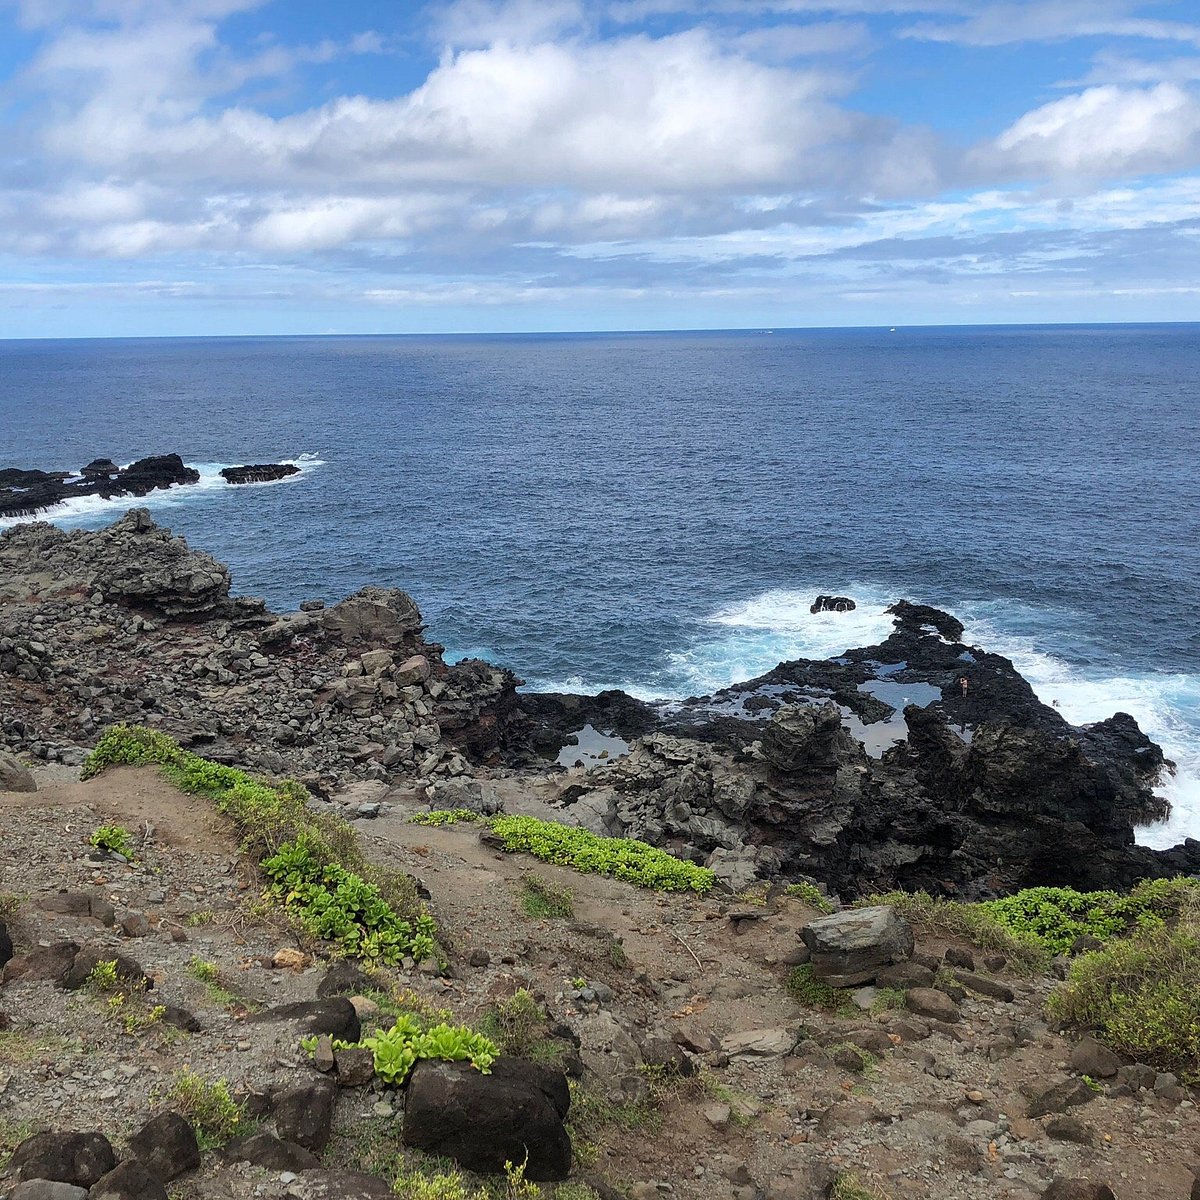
45, 1189
376, 617
334, 1016
166, 1145
13, 776
130, 1180
76, 1158
848, 948
259, 472
304, 1114
6, 946
339, 1185
515, 1114
47, 963
275, 1154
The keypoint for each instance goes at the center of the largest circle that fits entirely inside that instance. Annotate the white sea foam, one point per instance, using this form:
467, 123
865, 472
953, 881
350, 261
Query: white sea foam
751, 637
83, 510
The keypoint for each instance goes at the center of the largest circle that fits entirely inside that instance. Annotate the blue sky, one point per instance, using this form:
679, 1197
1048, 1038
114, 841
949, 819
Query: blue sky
240, 166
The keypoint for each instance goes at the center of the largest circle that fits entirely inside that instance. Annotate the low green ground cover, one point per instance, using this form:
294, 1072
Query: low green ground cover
313, 862
568, 846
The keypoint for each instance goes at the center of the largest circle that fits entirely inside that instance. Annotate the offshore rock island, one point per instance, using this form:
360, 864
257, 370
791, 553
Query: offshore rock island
816, 770
25, 493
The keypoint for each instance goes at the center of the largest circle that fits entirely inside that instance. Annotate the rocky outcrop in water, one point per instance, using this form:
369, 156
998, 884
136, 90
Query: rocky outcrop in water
832, 604
259, 473
819, 769
27, 493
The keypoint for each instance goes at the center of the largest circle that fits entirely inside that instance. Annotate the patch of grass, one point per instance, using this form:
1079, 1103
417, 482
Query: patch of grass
518, 1026
542, 899
315, 863
968, 921
12, 1134
209, 974
810, 894
887, 998
18, 1048
202, 916
1142, 995
804, 987
756, 894
9, 903
616, 954
210, 1107
850, 1185
115, 839
622, 858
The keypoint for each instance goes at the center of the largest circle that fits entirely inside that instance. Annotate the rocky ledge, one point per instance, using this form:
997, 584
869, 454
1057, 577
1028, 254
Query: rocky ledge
922, 763
27, 493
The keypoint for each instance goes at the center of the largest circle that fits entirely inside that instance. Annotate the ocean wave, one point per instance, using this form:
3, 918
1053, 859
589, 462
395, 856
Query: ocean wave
83, 510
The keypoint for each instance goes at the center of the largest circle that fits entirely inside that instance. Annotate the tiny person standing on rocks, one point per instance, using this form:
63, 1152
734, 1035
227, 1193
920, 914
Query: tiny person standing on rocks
964, 683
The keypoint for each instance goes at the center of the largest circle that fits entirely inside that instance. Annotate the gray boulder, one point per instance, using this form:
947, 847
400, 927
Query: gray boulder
375, 616
849, 948
13, 776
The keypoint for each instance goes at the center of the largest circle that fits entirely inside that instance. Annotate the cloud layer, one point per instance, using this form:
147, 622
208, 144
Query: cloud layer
522, 154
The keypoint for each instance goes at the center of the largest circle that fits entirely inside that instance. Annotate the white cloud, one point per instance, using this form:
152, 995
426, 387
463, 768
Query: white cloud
477, 23
673, 113
1103, 131
1054, 20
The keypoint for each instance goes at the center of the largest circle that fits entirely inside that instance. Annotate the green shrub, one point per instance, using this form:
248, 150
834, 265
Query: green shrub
1142, 995
810, 894
541, 899
397, 1050
113, 838
213, 1112
812, 992
621, 858
314, 862
339, 906
1032, 925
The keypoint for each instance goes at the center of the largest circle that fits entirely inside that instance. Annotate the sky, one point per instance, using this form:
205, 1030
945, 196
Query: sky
211, 167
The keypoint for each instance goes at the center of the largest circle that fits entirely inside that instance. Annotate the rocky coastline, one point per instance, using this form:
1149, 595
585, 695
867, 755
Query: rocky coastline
182, 1017
26, 493
817, 770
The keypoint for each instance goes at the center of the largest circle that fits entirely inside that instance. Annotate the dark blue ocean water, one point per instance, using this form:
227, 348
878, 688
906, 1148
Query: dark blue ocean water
656, 511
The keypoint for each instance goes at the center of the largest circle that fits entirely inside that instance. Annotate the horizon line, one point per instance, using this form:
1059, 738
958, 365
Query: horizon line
614, 332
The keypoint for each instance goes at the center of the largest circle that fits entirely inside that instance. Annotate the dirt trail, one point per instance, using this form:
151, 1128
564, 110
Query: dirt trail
942, 1112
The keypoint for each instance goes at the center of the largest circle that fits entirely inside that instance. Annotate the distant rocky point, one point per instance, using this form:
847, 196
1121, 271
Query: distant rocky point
27, 493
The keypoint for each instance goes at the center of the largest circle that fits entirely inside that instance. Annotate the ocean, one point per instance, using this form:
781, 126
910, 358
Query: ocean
657, 511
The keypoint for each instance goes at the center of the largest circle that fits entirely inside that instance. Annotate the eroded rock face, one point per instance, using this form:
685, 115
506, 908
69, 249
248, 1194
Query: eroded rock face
483, 1121
970, 793
129, 624
133, 561
832, 604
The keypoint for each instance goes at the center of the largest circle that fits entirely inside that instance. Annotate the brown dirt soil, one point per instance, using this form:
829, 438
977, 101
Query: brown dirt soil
940, 1116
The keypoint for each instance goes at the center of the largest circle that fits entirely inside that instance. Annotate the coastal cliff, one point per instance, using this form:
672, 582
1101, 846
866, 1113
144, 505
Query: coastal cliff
817, 770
